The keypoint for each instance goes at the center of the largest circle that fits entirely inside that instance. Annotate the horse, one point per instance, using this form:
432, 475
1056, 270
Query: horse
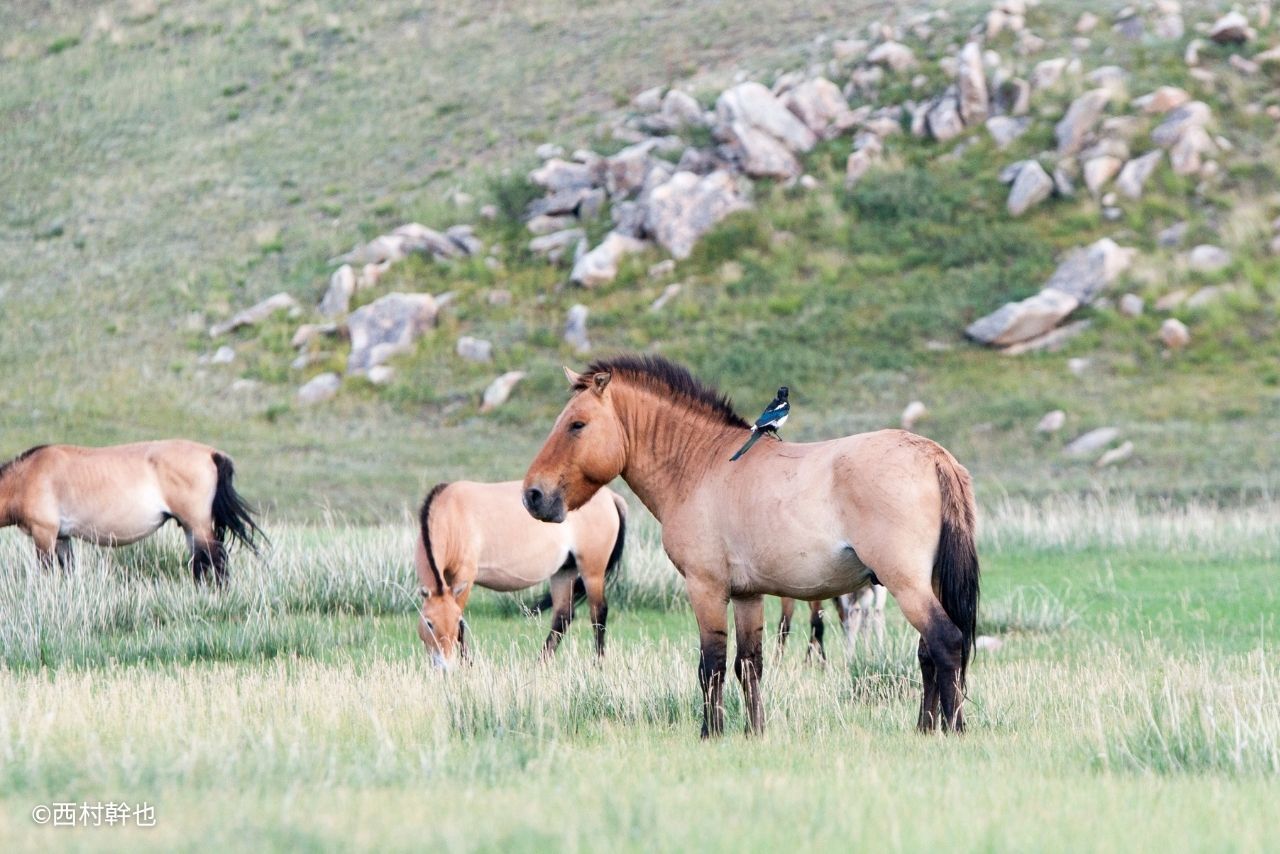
117, 495
809, 521
861, 613
478, 533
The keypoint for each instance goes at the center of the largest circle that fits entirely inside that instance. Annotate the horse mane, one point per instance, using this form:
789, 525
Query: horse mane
668, 379
4, 467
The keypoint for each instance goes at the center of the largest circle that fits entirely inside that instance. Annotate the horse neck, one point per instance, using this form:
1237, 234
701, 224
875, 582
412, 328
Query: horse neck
670, 446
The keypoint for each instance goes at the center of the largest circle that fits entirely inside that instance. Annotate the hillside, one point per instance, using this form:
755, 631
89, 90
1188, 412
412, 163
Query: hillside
168, 164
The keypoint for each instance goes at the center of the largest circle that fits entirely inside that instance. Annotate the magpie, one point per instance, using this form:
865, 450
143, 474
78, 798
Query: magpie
773, 417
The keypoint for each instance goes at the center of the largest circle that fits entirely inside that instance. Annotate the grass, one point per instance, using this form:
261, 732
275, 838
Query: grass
1136, 686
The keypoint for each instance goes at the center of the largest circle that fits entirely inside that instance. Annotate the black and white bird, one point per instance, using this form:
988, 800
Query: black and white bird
773, 417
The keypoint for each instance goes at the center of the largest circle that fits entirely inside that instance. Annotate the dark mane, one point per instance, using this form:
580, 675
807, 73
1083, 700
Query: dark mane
4, 467
667, 378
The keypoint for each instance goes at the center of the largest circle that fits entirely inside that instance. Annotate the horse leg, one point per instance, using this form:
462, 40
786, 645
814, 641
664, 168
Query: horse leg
45, 539
944, 644
562, 608
875, 614
929, 705
710, 606
594, 584
784, 622
816, 631
206, 559
748, 624
66, 557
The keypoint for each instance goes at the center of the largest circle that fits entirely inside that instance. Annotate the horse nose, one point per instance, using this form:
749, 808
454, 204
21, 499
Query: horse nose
532, 499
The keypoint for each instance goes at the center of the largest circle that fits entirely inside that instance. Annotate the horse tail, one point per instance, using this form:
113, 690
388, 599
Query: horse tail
425, 521
231, 513
955, 568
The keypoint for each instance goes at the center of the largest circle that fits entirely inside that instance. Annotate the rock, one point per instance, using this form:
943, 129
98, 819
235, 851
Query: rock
558, 244
849, 50
1176, 123
1231, 28
1172, 235
308, 332
663, 268
681, 110
1174, 334
1020, 321
858, 164
1172, 300
1206, 296
1064, 177
1013, 97
498, 297
499, 390
971, 84
1052, 422
625, 171
1078, 366
914, 412
1090, 443
1031, 187
1134, 175
1099, 170
1113, 78
1244, 66
1085, 272
1162, 100
545, 224
1081, 116
548, 150
1170, 26
759, 155
1208, 259
1131, 305
892, 55
1050, 342
680, 211
575, 329
1115, 455
988, 643
648, 101
1086, 23
489, 211
244, 386
255, 315
668, 294
556, 175
1047, 73
319, 389
818, 103
474, 349
1268, 57
224, 355
380, 374
337, 298
944, 119
1005, 129
388, 326
1185, 157
600, 265
752, 105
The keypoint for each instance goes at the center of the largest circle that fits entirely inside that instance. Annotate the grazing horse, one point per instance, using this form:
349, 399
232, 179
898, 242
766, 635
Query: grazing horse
808, 521
120, 494
860, 613
478, 533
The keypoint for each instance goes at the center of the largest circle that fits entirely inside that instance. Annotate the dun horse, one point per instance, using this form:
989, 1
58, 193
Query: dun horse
118, 495
477, 533
809, 521
860, 613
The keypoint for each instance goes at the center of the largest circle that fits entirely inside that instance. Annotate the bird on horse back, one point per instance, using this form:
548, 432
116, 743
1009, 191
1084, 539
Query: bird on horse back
809, 521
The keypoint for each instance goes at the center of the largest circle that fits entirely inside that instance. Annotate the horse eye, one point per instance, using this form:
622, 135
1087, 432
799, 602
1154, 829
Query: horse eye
577, 425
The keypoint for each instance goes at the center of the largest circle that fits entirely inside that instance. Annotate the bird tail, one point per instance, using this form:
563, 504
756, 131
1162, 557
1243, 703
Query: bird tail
755, 436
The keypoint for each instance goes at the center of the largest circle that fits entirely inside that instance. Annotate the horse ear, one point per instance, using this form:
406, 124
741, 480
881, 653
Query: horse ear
600, 380
574, 379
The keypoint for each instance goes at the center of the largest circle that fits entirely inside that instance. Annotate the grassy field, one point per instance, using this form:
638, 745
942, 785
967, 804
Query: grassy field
1132, 705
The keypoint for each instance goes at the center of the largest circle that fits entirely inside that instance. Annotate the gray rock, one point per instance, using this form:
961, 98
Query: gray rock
1023, 320
500, 390
1133, 177
224, 355
1064, 173
561, 203
1186, 155
548, 150
557, 174
758, 154
1090, 443
556, 245
1031, 187
575, 329
309, 332
337, 298
682, 110
944, 119
1005, 129
1013, 97
1048, 342
892, 55
1084, 112
600, 265
474, 349
1206, 296
648, 101
753, 106
380, 374
1113, 78
1099, 170
1052, 422
669, 293
911, 415
971, 84
544, 224
1172, 236
1047, 73
1162, 100
388, 326
1176, 122
820, 104
1131, 305
1174, 334
1170, 26
255, 314
319, 389
1208, 259
680, 211
1115, 455
1231, 28
626, 170
1086, 272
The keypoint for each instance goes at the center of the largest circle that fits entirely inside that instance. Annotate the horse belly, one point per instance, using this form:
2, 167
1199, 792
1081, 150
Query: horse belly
517, 566
124, 520
813, 570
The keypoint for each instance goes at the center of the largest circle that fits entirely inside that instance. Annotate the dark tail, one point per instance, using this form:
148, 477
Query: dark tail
615, 558
425, 519
755, 436
231, 514
955, 569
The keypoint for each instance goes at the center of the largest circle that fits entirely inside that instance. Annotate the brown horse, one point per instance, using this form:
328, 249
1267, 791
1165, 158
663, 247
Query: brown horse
120, 494
809, 521
859, 613
477, 533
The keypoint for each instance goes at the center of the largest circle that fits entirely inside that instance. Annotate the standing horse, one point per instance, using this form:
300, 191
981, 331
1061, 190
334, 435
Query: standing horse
860, 613
809, 521
120, 494
477, 533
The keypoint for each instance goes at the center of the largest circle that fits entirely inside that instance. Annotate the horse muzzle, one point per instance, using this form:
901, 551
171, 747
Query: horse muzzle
543, 506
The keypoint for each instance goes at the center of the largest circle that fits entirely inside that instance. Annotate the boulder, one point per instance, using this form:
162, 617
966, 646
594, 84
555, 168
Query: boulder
1086, 23
1162, 100
944, 118
1005, 129
1051, 341
625, 171
1084, 112
1088, 444
1031, 187
758, 154
680, 211
1176, 122
1172, 236
600, 265
971, 84
255, 314
1133, 177
681, 110
1231, 28
380, 374
820, 104
752, 105
388, 326
1052, 422
648, 101
224, 355
1099, 170
1131, 305
1115, 455
1208, 259
319, 389
544, 224
464, 237
337, 297
1023, 320
499, 390
1186, 155
474, 349
1085, 272
309, 332
1174, 334
556, 175
1113, 78
575, 329
558, 244
893, 56
1047, 73
1013, 97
